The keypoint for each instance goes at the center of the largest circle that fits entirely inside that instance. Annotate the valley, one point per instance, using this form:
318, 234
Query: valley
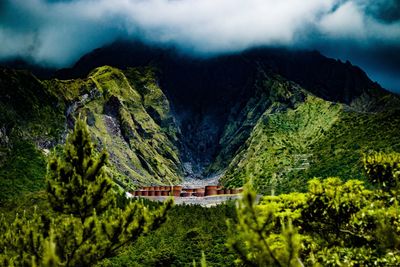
169, 119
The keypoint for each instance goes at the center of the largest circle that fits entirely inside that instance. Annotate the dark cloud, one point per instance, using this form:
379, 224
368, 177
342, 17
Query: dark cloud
57, 32
385, 10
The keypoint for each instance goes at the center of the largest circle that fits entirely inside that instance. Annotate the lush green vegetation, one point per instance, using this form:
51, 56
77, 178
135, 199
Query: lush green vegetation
335, 223
314, 139
29, 119
130, 116
188, 231
127, 113
23, 171
341, 150
85, 224
283, 138
281, 144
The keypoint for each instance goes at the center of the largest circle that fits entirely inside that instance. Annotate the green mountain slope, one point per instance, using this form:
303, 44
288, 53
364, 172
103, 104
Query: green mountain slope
127, 113
30, 121
132, 120
130, 116
296, 136
281, 141
270, 130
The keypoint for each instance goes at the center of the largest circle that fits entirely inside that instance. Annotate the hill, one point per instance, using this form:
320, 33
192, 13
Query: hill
279, 117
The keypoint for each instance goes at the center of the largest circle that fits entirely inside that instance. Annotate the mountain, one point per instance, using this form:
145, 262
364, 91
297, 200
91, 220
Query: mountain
127, 112
276, 116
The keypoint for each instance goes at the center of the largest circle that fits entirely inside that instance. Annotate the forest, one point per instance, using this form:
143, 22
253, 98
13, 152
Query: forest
83, 220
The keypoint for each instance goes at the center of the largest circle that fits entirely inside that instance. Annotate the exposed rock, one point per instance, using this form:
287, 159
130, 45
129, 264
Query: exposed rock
4, 140
112, 106
112, 126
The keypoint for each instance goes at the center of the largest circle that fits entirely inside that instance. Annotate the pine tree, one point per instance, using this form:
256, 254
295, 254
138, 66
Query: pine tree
86, 225
77, 182
255, 240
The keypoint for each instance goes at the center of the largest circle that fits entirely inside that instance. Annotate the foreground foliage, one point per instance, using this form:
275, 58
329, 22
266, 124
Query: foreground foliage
257, 240
335, 223
188, 231
85, 224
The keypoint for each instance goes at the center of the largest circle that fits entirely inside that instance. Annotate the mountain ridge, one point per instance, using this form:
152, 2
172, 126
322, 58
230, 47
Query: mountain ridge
177, 117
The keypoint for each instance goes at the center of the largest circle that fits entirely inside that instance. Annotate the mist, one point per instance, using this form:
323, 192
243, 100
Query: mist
57, 33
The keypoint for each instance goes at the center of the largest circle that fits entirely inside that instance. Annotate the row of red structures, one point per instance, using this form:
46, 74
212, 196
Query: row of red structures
178, 191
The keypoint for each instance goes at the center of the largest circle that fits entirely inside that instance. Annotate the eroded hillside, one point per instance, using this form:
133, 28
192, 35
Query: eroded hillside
127, 112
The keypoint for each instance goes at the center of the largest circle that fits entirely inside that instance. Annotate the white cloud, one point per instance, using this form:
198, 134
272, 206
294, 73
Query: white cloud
347, 21
58, 33
213, 25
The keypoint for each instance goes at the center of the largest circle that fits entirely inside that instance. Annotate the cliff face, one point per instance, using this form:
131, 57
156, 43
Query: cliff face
278, 117
205, 92
127, 112
131, 118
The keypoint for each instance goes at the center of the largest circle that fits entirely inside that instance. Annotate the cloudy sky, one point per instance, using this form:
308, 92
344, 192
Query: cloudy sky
56, 33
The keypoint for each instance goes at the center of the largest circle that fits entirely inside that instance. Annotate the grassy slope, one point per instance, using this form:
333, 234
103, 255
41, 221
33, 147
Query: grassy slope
280, 142
272, 93
312, 138
339, 153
